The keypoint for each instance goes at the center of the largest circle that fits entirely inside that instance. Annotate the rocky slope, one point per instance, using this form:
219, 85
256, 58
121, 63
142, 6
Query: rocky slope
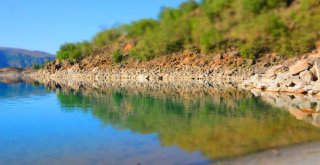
19, 58
297, 75
227, 66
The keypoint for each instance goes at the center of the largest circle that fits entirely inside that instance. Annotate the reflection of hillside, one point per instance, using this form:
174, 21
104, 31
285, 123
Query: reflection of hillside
14, 79
20, 89
218, 122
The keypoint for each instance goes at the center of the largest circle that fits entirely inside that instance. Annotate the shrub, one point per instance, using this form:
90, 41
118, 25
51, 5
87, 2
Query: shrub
138, 29
117, 56
74, 51
209, 40
254, 6
143, 54
250, 50
69, 51
213, 8
188, 6
106, 37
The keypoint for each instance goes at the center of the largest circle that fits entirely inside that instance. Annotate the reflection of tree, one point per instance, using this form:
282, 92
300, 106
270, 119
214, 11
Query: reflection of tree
219, 125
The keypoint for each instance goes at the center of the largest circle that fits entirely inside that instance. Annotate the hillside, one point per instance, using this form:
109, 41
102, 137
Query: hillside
19, 58
254, 27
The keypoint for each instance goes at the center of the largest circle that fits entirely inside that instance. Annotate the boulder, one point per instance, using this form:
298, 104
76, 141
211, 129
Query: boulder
299, 67
315, 70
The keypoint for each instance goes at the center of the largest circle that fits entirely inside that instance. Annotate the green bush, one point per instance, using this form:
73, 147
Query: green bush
209, 40
251, 50
73, 51
106, 37
138, 28
117, 56
143, 54
213, 8
69, 51
254, 6
188, 6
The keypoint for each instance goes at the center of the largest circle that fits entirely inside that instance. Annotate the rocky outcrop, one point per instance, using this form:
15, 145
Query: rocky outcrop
300, 75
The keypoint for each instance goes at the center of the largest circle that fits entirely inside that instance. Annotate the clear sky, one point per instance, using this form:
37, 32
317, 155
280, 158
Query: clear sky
46, 24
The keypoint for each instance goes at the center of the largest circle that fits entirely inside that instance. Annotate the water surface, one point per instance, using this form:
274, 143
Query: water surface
39, 125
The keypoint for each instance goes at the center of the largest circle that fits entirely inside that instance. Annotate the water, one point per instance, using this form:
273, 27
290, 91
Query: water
121, 126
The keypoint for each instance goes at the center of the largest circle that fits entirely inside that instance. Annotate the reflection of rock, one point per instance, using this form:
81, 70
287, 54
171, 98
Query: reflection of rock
302, 107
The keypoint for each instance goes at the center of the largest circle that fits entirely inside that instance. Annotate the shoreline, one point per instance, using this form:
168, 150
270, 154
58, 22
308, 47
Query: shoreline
297, 75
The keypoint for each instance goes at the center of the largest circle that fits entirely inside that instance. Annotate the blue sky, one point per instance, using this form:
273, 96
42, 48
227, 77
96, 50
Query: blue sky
46, 24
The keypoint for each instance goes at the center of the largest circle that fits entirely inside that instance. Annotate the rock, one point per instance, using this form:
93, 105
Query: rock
229, 73
273, 87
299, 67
142, 77
297, 87
306, 76
313, 92
262, 86
315, 70
305, 105
274, 70
316, 86
283, 76
255, 78
291, 82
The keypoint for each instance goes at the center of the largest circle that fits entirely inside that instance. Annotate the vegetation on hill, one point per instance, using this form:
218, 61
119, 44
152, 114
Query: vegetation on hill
255, 27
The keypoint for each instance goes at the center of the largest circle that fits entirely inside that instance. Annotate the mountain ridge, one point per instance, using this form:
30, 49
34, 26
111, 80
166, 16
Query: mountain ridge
22, 58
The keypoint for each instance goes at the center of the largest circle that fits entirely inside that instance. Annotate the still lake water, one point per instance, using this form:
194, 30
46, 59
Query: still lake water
43, 126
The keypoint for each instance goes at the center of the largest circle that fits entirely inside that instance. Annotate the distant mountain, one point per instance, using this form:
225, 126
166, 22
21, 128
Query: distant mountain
19, 58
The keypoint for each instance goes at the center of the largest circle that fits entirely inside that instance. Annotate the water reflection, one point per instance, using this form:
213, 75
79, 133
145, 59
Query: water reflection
20, 89
220, 123
171, 124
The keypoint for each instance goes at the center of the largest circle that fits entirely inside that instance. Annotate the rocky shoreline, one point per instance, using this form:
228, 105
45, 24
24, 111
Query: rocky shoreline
300, 75
297, 75
186, 66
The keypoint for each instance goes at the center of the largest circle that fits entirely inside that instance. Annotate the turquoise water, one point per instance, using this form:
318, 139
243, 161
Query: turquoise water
43, 126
